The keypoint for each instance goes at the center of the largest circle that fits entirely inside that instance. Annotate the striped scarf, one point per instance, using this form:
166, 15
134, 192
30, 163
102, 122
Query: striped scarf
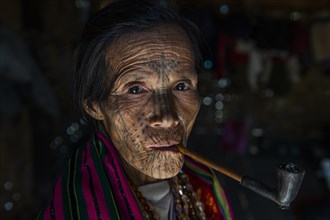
94, 186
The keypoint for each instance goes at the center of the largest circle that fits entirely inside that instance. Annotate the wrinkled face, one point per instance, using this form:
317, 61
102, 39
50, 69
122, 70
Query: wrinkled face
154, 99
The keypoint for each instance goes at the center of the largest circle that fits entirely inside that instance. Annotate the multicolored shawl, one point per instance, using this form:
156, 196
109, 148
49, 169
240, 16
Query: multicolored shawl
94, 186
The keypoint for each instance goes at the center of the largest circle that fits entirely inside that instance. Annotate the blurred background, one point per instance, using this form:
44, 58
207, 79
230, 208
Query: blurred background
265, 93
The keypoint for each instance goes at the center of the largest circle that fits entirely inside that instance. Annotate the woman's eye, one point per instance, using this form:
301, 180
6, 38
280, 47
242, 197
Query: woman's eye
135, 90
181, 86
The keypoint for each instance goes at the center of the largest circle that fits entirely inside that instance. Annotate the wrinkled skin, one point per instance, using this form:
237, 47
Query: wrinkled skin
153, 102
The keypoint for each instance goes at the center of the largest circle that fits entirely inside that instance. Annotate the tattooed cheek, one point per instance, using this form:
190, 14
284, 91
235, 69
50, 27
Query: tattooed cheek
140, 118
124, 107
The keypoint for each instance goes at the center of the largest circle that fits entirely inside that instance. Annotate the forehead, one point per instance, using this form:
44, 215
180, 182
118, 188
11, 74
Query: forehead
166, 42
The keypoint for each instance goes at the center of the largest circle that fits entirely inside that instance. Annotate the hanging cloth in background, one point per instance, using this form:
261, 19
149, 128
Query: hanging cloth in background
320, 34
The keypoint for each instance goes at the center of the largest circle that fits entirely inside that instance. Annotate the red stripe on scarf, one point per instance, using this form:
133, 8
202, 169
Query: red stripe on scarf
58, 204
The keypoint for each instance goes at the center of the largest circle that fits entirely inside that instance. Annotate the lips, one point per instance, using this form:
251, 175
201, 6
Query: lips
168, 146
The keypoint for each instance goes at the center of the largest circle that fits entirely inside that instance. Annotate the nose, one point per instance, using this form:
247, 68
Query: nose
164, 112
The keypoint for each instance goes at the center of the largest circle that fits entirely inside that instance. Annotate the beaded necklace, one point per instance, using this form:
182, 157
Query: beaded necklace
187, 204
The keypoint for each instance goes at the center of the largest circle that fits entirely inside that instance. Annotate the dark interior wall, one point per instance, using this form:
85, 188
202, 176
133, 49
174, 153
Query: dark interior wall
43, 38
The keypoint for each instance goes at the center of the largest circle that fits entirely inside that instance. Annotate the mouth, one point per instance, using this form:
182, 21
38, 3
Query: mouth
167, 147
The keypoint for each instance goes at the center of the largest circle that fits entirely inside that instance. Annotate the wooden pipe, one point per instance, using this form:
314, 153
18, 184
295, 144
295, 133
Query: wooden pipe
210, 164
289, 179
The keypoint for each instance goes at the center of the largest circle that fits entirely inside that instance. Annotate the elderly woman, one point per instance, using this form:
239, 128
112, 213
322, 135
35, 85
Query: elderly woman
136, 68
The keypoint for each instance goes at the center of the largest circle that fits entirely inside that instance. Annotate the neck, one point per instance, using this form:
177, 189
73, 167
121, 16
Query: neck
135, 176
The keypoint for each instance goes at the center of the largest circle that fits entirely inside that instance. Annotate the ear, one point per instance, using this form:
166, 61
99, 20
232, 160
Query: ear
94, 111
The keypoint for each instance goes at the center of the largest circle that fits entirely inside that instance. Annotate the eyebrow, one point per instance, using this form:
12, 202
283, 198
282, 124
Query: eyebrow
136, 77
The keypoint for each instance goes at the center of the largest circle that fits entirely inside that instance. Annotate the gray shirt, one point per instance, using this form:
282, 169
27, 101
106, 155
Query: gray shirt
160, 197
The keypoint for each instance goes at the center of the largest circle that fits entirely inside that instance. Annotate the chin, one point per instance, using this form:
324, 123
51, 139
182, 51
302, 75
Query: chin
167, 170
165, 175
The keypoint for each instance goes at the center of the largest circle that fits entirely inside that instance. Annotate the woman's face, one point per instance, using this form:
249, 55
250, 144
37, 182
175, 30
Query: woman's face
154, 100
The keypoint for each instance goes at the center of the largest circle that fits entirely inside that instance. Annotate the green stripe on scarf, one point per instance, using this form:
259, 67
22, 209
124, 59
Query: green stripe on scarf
97, 158
81, 208
65, 195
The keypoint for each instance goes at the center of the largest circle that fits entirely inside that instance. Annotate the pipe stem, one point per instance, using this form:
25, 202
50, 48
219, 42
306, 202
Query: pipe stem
210, 164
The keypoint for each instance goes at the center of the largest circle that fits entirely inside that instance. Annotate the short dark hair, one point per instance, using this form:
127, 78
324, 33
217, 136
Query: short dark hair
117, 19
